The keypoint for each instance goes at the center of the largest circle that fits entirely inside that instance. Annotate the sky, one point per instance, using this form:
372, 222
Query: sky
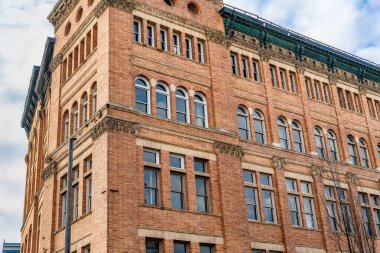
350, 25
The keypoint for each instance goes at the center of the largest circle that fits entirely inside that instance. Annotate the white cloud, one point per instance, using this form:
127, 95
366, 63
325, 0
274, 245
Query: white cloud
348, 24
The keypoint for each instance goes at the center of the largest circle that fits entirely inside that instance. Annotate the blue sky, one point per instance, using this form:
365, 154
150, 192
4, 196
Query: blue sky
351, 25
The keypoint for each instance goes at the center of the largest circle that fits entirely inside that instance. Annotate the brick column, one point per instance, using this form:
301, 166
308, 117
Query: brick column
192, 107
308, 126
144, 32
170, 41
157, 36
190, 185
271, 116
165, 183
153, 104
320, 209
172, 89
231, 180
283, 210
168, 246
342, 134
195, 49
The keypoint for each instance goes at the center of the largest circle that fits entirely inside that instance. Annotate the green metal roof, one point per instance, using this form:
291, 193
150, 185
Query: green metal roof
267, 32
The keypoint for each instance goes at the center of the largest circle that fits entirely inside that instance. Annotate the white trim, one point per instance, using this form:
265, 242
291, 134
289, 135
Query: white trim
147, 88
156, 152
153, 35
186, 98
168, 235
204, 104
138, 32
176, 39
181, 157
167, 94
165, 39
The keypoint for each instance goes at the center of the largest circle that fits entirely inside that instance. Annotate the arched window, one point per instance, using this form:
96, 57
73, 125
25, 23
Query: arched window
258, 122
84, 108
297, 137
75, 117
364, 154
352, 150
182, 105
333, 146
66, 125
94, 99
162, 101
200, 110
243, 123
319, 142
142, 95
283, 133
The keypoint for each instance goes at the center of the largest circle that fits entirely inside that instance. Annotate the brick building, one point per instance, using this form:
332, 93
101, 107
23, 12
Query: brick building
199, 128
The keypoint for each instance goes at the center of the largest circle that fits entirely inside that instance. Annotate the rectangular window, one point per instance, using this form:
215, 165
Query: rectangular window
341, 98
284, 83
234, 64
177, 161
326, 93
377, 220
200, 166
151, 187
374, 200
151, 156
370, 107
294, 206
176, 44
349, 100
164, 40
63, 200
153, 245
377, 108
177, 188
75, 215
202, 194
308, 88
294, 203
266, 180
256, 72
357, 103
150, 35
317, 91
201, 53
137, 31
258, 251
367, 221
293, 82
273, 75
269, 211
88, 184
309, 212
180, 247
189, 48
332, 208
252, 203
244, 64
206, 248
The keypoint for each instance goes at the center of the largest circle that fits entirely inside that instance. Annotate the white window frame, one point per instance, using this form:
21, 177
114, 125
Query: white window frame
163, 40
189, 48
186, 98
138, 33
176, 40
201, 56
147, 88
181, 157
152, 37
167, 94
156, 152
204, 104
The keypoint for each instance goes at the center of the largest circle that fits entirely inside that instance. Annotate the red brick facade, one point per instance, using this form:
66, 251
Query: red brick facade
100, 55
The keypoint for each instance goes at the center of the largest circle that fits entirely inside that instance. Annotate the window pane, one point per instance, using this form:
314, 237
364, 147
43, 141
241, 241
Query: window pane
176, 161
249, 177
150, 156
179, 247
161, 101
152, 246
200, 166
206, 248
